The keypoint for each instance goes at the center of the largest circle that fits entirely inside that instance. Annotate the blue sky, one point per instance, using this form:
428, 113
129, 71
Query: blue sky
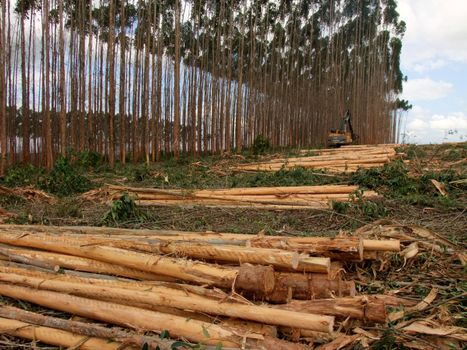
434, 58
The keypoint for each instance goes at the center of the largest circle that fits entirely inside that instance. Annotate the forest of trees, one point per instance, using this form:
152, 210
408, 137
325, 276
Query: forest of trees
135, 80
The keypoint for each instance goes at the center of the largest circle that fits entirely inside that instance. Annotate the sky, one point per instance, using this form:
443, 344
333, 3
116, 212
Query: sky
434, 59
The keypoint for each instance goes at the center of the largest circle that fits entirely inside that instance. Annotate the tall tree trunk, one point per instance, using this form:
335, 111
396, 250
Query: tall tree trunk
46, 48
111, 57
176, 127
62, 84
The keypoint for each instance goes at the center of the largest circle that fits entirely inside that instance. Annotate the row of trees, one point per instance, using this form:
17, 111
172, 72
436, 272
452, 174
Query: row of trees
137, 79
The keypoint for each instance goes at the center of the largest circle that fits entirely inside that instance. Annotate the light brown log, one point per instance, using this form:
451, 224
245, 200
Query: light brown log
309, 286
390, 245
126, 316
178, 299
309, 244
370, 308
56, 261
56, 337
350, 248
186, 270
229, 204
76, 328
262, 256
284, 190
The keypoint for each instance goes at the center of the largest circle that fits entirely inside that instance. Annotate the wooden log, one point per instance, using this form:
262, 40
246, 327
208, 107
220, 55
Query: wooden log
126, 316
180, 300
390, 245
76, 328
56, 261
305, 244
370, 308
55, 336
309, 286
228, 204
262, 256
350, 248
192, 271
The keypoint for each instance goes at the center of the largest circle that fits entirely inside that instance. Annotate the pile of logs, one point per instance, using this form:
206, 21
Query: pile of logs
241, 291
345, 159
291, 197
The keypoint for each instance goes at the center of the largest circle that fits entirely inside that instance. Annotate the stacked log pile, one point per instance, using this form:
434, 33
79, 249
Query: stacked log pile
341, 160
290, 197
241, 291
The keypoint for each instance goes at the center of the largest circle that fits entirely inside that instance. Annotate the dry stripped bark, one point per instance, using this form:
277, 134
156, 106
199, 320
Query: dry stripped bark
127, 278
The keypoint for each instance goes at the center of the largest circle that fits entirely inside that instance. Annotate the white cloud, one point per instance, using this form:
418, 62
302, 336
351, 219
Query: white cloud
436, 32
429, 65
425, 127
455, 121
426, 89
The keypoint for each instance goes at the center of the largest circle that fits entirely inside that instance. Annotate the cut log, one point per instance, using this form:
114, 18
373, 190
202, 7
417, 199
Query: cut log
127, 316
181, 300
392, 245
339, 248
262, 256
186, 270
309, 286
370, 308
55, 261
76, 328
56, 337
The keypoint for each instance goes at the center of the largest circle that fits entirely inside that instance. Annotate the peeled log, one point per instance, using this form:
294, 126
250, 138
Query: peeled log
75, 328
55, 260
186, 270
391, 245
123, 315
56, 337
180, 300
370, 308
309, 286
350, 248
263, 256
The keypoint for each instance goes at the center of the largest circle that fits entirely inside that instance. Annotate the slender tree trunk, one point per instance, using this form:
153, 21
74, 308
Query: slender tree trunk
62, 84
111, 56
176, 127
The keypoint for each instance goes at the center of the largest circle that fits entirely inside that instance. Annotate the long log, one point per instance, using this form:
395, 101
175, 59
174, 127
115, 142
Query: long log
56, 337
192, 271
308, 244
370, 308
181, 300
309, 286
56, 261
263, 256
126, 316
76, 328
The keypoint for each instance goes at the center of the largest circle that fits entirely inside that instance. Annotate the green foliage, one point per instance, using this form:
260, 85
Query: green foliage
455, 154
22, 175
361, 207
414, 152
394, 182
141, 172
64, 179
341, 207
89, 160
123, 209
261, 145
393, 177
